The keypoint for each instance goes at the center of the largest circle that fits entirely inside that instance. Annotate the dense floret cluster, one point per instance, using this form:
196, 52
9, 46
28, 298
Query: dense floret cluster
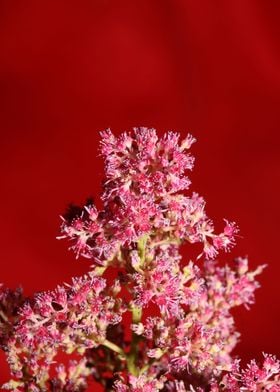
143, 196
181, 332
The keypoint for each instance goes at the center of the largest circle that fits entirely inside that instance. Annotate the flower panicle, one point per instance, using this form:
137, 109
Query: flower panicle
70, 318
144, 194
182, 331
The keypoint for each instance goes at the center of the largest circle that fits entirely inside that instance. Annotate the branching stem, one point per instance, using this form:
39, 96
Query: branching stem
112, 346
132, 357
165, 242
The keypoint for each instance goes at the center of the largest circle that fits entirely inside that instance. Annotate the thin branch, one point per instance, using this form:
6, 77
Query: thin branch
112, 346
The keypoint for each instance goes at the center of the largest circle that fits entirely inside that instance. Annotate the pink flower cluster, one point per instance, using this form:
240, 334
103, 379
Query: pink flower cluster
202, 335
252, 378
139, 384
70, 378
10, 302
68, 318
182, 331
143, 195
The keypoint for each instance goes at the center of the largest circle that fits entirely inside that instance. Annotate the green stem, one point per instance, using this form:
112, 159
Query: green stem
136, 315
141, 246
165, 242
131, 357
151, 362
100, 270
134, 349
112, 346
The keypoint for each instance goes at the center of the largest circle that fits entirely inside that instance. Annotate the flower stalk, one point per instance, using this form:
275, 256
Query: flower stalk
112, 346
183, 330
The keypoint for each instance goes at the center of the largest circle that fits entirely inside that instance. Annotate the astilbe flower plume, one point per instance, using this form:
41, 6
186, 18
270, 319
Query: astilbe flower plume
182, 331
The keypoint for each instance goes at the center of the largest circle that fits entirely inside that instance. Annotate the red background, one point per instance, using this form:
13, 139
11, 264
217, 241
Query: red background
71, 68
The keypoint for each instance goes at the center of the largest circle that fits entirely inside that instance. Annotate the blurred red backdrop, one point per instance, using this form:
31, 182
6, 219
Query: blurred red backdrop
69, 69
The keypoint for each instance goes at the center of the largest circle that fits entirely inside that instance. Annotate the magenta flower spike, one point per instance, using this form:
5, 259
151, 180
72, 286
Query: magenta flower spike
181, 333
